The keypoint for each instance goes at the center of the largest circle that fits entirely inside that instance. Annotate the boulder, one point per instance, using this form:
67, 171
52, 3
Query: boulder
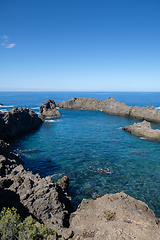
48, 110
18, 121
114, 216
143, 129
111, 106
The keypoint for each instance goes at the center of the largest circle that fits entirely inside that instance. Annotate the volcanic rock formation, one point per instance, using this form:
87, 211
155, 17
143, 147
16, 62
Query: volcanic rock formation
18, 121
114, 217
48, 110
44, 199
143, 129
111, 106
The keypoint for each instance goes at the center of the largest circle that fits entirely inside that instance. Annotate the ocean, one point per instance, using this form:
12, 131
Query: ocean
90, 147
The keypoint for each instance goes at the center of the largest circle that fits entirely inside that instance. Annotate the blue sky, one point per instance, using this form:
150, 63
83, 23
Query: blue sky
80, 45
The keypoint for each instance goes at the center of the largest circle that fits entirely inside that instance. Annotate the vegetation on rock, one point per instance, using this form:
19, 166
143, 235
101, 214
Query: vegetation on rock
12, 227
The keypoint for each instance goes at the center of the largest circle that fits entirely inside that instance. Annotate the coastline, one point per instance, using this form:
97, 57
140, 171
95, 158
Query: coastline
98, 232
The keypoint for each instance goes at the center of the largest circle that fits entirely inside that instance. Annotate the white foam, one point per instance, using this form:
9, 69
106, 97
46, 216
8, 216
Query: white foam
100, 110
6, 106
50, 120
35, 108
142, 138
57, 107
158, 108
119, 128
3, 110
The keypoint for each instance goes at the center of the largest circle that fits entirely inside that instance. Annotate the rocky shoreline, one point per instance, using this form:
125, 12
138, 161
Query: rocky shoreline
111, 106
113, 216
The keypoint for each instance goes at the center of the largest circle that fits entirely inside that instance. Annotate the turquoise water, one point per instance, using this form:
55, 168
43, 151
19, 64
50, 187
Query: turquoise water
81, 142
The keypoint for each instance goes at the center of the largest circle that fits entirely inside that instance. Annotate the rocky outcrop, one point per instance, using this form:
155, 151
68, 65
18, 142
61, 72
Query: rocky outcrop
18, 121
114, 216
111, 106
48, 110
143, 129
44, 199
1, 104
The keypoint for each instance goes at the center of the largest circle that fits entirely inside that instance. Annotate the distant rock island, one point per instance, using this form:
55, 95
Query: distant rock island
111, 106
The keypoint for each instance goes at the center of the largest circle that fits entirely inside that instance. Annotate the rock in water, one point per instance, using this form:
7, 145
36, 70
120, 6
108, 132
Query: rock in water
111, 106
143, 129
18, 121
48, 110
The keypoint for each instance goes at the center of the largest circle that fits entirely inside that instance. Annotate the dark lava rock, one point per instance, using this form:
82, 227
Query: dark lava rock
18, 121
48, 110
40, 197
64, 183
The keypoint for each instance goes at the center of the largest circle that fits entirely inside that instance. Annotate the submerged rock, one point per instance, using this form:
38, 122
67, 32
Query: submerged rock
48, 110
111, 106
18, 121
143, 129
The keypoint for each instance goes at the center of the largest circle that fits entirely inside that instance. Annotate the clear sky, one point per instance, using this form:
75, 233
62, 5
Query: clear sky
80, 45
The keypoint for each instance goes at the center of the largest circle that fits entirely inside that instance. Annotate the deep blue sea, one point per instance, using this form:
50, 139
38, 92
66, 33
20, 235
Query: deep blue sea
81, 142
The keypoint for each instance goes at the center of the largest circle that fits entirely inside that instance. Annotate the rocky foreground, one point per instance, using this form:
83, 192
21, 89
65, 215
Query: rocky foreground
111, 106
113, 216
143, 129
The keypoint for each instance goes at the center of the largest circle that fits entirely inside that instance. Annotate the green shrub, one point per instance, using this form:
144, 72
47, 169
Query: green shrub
11, 227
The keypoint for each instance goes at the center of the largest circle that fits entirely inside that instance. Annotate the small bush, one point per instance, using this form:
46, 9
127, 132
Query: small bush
11, 227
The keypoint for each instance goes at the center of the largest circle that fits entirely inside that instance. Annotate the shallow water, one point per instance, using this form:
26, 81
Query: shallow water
92, 149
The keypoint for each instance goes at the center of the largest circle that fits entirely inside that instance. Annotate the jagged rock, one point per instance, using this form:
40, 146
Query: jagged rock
111, 106
18, 121
64, 183
143, 129
114, 216
44, 199
48, 110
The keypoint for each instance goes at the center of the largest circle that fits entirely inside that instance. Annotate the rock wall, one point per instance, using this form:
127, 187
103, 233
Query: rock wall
111, 106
